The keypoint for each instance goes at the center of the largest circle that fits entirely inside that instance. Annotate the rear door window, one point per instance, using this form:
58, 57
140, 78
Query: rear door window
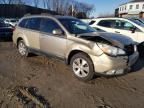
48, 25
33, 23
106, 23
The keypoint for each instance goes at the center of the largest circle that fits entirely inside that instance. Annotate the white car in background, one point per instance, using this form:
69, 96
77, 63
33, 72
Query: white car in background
12, 22
128, 27
87, 21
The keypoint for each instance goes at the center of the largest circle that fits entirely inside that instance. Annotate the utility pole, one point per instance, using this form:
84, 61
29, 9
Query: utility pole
72, 10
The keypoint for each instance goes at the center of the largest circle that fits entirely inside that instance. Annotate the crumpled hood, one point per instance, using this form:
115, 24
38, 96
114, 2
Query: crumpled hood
115, 39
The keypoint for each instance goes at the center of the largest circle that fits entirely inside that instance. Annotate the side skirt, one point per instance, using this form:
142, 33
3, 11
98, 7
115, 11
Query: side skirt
41, 53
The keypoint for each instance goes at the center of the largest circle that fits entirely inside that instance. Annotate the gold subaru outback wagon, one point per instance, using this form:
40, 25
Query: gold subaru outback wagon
88, 51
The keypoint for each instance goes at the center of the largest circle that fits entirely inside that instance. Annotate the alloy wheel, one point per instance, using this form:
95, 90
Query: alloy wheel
81, 67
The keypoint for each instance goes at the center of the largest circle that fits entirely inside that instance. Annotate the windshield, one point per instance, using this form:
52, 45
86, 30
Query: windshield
137, 22
75, 26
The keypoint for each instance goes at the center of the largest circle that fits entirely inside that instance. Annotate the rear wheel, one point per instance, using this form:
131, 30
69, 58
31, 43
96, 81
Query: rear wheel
82, 67
23, 50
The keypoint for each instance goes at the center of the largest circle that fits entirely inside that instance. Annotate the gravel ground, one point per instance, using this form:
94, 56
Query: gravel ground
57, 85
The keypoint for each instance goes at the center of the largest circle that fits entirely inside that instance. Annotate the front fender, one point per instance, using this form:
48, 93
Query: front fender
90, 49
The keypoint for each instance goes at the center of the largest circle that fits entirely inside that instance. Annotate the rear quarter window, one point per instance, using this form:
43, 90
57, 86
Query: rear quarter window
33, 23
23, 23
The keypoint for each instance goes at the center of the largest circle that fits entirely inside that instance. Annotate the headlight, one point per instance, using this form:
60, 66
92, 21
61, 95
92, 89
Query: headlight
110, 50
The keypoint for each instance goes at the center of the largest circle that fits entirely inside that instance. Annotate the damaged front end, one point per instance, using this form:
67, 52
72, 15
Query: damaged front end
119, 53
112, 44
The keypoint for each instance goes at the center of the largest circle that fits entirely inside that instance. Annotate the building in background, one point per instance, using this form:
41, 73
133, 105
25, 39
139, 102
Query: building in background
117, 12
18, 11
131, 9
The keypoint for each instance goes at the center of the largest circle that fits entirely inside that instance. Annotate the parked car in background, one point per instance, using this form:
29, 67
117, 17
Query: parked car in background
77, 44
129, 27
1, 20
6, 31
138, 19
12, 22
87, 21
98, 29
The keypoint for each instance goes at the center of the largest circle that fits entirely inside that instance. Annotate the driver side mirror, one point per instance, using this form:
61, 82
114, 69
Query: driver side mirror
57, 32
133, 29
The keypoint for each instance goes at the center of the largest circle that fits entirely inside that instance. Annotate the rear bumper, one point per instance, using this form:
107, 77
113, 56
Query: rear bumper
109, 66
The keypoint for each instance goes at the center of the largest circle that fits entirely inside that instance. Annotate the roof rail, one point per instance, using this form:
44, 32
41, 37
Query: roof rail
29, 14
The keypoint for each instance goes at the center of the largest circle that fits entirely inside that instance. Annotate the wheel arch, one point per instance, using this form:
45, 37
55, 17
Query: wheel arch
22, 38
72, 53
19, 39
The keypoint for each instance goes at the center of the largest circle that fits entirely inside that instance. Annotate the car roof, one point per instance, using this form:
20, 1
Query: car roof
110, 18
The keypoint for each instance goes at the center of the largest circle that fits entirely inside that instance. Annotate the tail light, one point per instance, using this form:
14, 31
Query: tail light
14, 28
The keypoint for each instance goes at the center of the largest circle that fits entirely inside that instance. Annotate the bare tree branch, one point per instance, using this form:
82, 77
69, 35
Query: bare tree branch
46, 4
12, 1
36, 3
82, 9
64, 7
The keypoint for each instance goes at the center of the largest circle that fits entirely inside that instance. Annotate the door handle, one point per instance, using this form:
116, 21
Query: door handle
117, 32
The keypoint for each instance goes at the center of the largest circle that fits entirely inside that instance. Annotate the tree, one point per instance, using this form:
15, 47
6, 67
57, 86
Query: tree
46, 4
63, 7
81, 15
36, 3
79, 9
6, 1
12, 2
19, 2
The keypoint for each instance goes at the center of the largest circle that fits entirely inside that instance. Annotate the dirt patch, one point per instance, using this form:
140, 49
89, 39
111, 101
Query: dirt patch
28, 97
58, 86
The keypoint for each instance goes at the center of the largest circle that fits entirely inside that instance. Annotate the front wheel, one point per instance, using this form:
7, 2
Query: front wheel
23, 50
82, 67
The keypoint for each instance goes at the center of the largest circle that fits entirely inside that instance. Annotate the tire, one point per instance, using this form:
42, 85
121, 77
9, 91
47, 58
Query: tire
82, 66
141, 49
22, 48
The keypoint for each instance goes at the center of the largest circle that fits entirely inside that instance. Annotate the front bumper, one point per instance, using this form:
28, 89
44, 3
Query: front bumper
107, 65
